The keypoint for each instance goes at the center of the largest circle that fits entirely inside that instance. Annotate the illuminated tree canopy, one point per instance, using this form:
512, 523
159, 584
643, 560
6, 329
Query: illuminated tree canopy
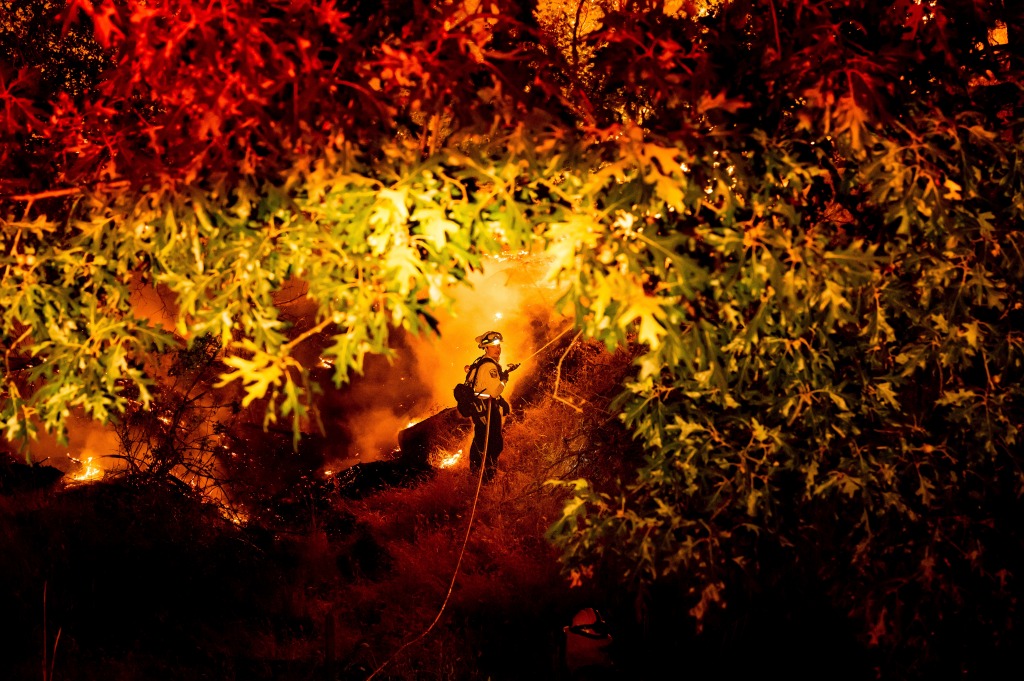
807, 212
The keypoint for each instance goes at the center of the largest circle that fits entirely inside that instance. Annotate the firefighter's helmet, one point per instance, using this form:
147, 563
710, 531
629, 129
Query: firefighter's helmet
587, 617
489, 338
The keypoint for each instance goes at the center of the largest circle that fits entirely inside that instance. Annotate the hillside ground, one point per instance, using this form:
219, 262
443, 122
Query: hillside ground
142, 579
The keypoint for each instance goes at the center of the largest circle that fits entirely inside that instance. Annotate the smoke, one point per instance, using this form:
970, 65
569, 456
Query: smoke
89, 448
153, 304
509, 295
361, 420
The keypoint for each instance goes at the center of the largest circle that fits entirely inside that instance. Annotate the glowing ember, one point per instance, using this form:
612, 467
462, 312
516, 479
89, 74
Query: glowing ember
90, 471
236, 517
450, 460
518, 255
326, 363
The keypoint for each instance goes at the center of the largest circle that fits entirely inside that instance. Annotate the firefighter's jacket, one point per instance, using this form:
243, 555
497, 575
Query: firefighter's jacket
489, 382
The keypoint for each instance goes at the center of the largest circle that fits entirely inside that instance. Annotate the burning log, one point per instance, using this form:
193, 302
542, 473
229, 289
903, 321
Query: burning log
422, 447
444, 431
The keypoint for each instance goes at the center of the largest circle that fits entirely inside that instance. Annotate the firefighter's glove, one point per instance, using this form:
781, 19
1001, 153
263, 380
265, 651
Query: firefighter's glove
504, 406
504, 374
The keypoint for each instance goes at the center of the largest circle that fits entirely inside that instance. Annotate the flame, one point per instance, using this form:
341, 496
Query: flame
90, 471
234, 516
450, 460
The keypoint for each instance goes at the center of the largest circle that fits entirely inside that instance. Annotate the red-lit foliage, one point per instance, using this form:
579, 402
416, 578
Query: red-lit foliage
190, 93
199, 91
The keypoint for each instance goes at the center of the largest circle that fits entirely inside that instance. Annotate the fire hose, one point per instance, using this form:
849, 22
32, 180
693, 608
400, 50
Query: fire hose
462, 553
469, 528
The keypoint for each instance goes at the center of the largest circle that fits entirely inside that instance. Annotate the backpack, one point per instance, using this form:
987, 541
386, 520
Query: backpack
465, 398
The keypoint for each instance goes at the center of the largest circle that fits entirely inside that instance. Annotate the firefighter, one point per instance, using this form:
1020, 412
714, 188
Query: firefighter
587, 642
488, 383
